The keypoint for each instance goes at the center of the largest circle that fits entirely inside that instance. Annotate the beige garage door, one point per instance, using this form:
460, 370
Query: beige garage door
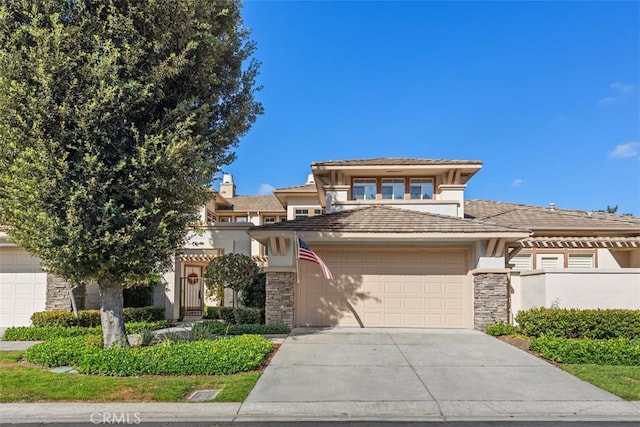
23, 288
400, 287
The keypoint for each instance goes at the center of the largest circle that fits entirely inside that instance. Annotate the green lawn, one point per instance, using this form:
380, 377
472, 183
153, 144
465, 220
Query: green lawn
22, 383
623, 381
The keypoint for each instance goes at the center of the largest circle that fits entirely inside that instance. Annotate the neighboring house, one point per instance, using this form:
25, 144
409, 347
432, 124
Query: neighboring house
404, 245
572, 259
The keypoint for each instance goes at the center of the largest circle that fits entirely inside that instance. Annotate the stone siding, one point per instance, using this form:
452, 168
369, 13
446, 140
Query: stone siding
279, 307
491, 299
58, 294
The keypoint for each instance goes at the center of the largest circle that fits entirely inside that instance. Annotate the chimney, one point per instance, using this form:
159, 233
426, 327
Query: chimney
552, 206
227, 188
310, 179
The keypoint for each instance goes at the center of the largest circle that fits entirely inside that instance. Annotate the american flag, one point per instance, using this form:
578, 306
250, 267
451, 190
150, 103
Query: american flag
305, 253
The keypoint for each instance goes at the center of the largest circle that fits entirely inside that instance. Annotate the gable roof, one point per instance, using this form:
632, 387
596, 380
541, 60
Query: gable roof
267, 203
544, 218
390, 161
385, 219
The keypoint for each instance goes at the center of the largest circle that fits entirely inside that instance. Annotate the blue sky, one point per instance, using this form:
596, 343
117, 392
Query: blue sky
546, 94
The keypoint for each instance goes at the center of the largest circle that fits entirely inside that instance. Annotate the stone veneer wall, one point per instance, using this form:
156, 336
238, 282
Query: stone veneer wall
491, 299
279, 307
58, 294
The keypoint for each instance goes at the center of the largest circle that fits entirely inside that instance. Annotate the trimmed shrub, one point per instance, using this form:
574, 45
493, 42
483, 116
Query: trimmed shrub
144, 314
62, 351
219, 328
45, 333
501, 328
573, 323
242, 315
222, 356
88, 318
53, 318
616, 351
136, 327
255, 294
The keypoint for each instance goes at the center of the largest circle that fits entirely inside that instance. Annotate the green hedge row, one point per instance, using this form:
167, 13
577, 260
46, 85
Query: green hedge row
573, 323
222, 356
210, 328
616, 351
89, 318
44, 333
240, 316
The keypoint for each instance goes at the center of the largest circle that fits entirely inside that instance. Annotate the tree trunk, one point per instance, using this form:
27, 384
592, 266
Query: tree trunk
112, 315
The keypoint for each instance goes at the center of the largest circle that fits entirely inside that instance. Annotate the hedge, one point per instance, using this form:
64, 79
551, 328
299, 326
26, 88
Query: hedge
44, 333
241, 315
573, 323
62, 351
222, 356
210, 328
616, 351
501, 328
90, 318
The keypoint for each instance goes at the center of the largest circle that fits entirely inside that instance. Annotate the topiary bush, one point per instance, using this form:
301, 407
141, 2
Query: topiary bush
62, 351
573, 323
616, 351
222, 356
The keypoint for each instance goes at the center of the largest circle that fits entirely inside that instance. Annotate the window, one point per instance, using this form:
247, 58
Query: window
580, 261
224, 219
241, 219
269, 219
421, 189
364, 189
392, 189
302, 213
521, 262
319, 212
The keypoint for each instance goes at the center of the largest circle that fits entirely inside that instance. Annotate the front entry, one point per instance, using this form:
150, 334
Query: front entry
192, 290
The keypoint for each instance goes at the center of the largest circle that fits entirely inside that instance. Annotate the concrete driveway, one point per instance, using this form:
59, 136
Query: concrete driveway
411, 373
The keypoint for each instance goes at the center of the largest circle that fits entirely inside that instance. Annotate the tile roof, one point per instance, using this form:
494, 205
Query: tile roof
381, 219
390, 161
541, 218
254, 203
306, 188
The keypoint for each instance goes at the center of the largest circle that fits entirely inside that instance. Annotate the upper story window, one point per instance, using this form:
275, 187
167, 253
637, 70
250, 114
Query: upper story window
318, 211
302, 213
421, 188
392, 188
364, 189
224, 219
269, 219
241, 219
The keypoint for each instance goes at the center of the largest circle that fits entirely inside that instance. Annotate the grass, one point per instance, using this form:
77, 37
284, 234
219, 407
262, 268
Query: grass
623, 381
23, 383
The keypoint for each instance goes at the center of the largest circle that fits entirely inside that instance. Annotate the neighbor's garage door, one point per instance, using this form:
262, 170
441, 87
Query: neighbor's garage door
387, 288
23, 288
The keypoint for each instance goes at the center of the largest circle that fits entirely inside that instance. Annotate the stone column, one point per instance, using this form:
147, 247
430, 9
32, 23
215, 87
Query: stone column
490, 297
280, 298
58, 297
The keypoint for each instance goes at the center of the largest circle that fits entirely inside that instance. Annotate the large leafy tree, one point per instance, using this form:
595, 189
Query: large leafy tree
115, 116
